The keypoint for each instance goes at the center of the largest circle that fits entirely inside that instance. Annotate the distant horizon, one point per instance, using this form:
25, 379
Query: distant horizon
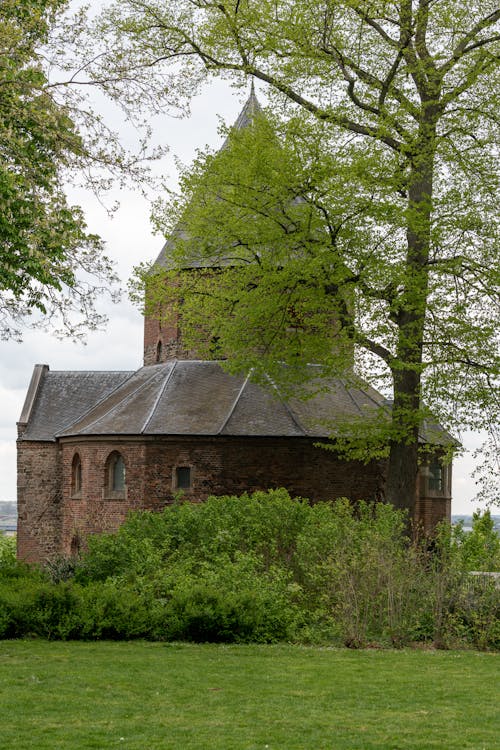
495, 515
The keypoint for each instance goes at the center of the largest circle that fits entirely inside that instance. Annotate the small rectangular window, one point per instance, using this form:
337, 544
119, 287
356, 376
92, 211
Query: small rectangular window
183, 477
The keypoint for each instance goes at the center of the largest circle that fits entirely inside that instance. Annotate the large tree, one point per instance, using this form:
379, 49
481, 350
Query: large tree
52, 269
403, 96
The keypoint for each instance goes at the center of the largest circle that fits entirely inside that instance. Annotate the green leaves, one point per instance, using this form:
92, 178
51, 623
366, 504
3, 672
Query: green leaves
379, 194
45, 248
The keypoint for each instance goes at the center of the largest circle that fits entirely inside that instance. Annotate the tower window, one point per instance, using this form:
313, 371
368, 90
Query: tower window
183, 477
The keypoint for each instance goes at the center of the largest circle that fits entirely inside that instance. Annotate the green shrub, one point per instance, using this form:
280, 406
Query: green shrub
478, 549
7, 550
112, 610
262, 568
10, 567
362, 573
32, 607
265, 523
227, 600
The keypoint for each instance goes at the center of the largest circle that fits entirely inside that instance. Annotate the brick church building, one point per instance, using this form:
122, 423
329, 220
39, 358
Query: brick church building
94, 445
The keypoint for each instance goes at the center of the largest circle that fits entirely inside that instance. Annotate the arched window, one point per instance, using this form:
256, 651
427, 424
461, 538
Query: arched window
75, 546
115, 475
76, 476
158, 351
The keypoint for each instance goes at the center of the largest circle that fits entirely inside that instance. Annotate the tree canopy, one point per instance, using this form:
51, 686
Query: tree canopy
389, 113
52, 269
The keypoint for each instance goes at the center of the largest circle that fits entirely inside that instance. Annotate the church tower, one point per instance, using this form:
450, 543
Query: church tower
163, 332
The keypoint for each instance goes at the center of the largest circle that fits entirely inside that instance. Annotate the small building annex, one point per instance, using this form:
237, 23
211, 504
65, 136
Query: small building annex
94, 445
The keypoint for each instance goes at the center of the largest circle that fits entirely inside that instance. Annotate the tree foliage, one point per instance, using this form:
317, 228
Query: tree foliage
52, 269
391, 110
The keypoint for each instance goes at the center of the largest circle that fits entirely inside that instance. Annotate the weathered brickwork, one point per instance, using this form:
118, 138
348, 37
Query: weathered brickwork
38, 500
429, 511
162, 341
219, 465
54, 519
433, 506
232, 465
97, 509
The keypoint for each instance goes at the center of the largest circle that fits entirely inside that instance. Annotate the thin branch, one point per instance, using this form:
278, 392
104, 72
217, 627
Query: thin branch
465, 46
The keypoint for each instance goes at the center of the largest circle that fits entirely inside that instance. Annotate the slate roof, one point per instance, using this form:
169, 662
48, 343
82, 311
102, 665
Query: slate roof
199, 398
194, 398
182, 398
62, 397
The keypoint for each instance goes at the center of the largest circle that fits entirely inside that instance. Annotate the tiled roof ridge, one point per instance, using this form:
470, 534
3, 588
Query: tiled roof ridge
349, 394
288, 408
159, 396
235, 403
104, 398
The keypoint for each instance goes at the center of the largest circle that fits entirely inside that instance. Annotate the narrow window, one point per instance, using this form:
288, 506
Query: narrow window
158, 351
183, 477
115, 475
76, 475
118, 473
436, 476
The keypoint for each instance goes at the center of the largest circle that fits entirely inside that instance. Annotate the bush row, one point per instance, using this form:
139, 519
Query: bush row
263, 568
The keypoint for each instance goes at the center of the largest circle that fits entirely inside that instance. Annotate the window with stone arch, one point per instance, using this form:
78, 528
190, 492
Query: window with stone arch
76, 476
115, 485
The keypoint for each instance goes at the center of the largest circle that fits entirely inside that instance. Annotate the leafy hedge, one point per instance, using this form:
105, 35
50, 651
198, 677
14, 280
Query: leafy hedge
263, 568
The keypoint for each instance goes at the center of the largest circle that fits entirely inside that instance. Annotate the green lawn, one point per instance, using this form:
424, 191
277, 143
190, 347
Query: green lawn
143, 696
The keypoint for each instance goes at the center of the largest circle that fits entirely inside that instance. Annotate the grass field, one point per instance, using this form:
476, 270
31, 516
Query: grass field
149, 696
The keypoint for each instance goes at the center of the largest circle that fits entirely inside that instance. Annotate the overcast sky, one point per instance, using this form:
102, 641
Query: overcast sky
129, 240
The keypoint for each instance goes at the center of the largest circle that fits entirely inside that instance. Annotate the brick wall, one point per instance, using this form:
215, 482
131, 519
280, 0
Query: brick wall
95, 509
219, 465
429, 511
167, 335
55, 520
433, 506
38, 500
231, 465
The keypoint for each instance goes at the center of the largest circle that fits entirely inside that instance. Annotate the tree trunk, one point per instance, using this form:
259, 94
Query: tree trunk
401, 485
410, 314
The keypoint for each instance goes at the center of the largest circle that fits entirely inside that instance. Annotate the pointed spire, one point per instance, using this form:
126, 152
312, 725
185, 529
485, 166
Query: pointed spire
250, 109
